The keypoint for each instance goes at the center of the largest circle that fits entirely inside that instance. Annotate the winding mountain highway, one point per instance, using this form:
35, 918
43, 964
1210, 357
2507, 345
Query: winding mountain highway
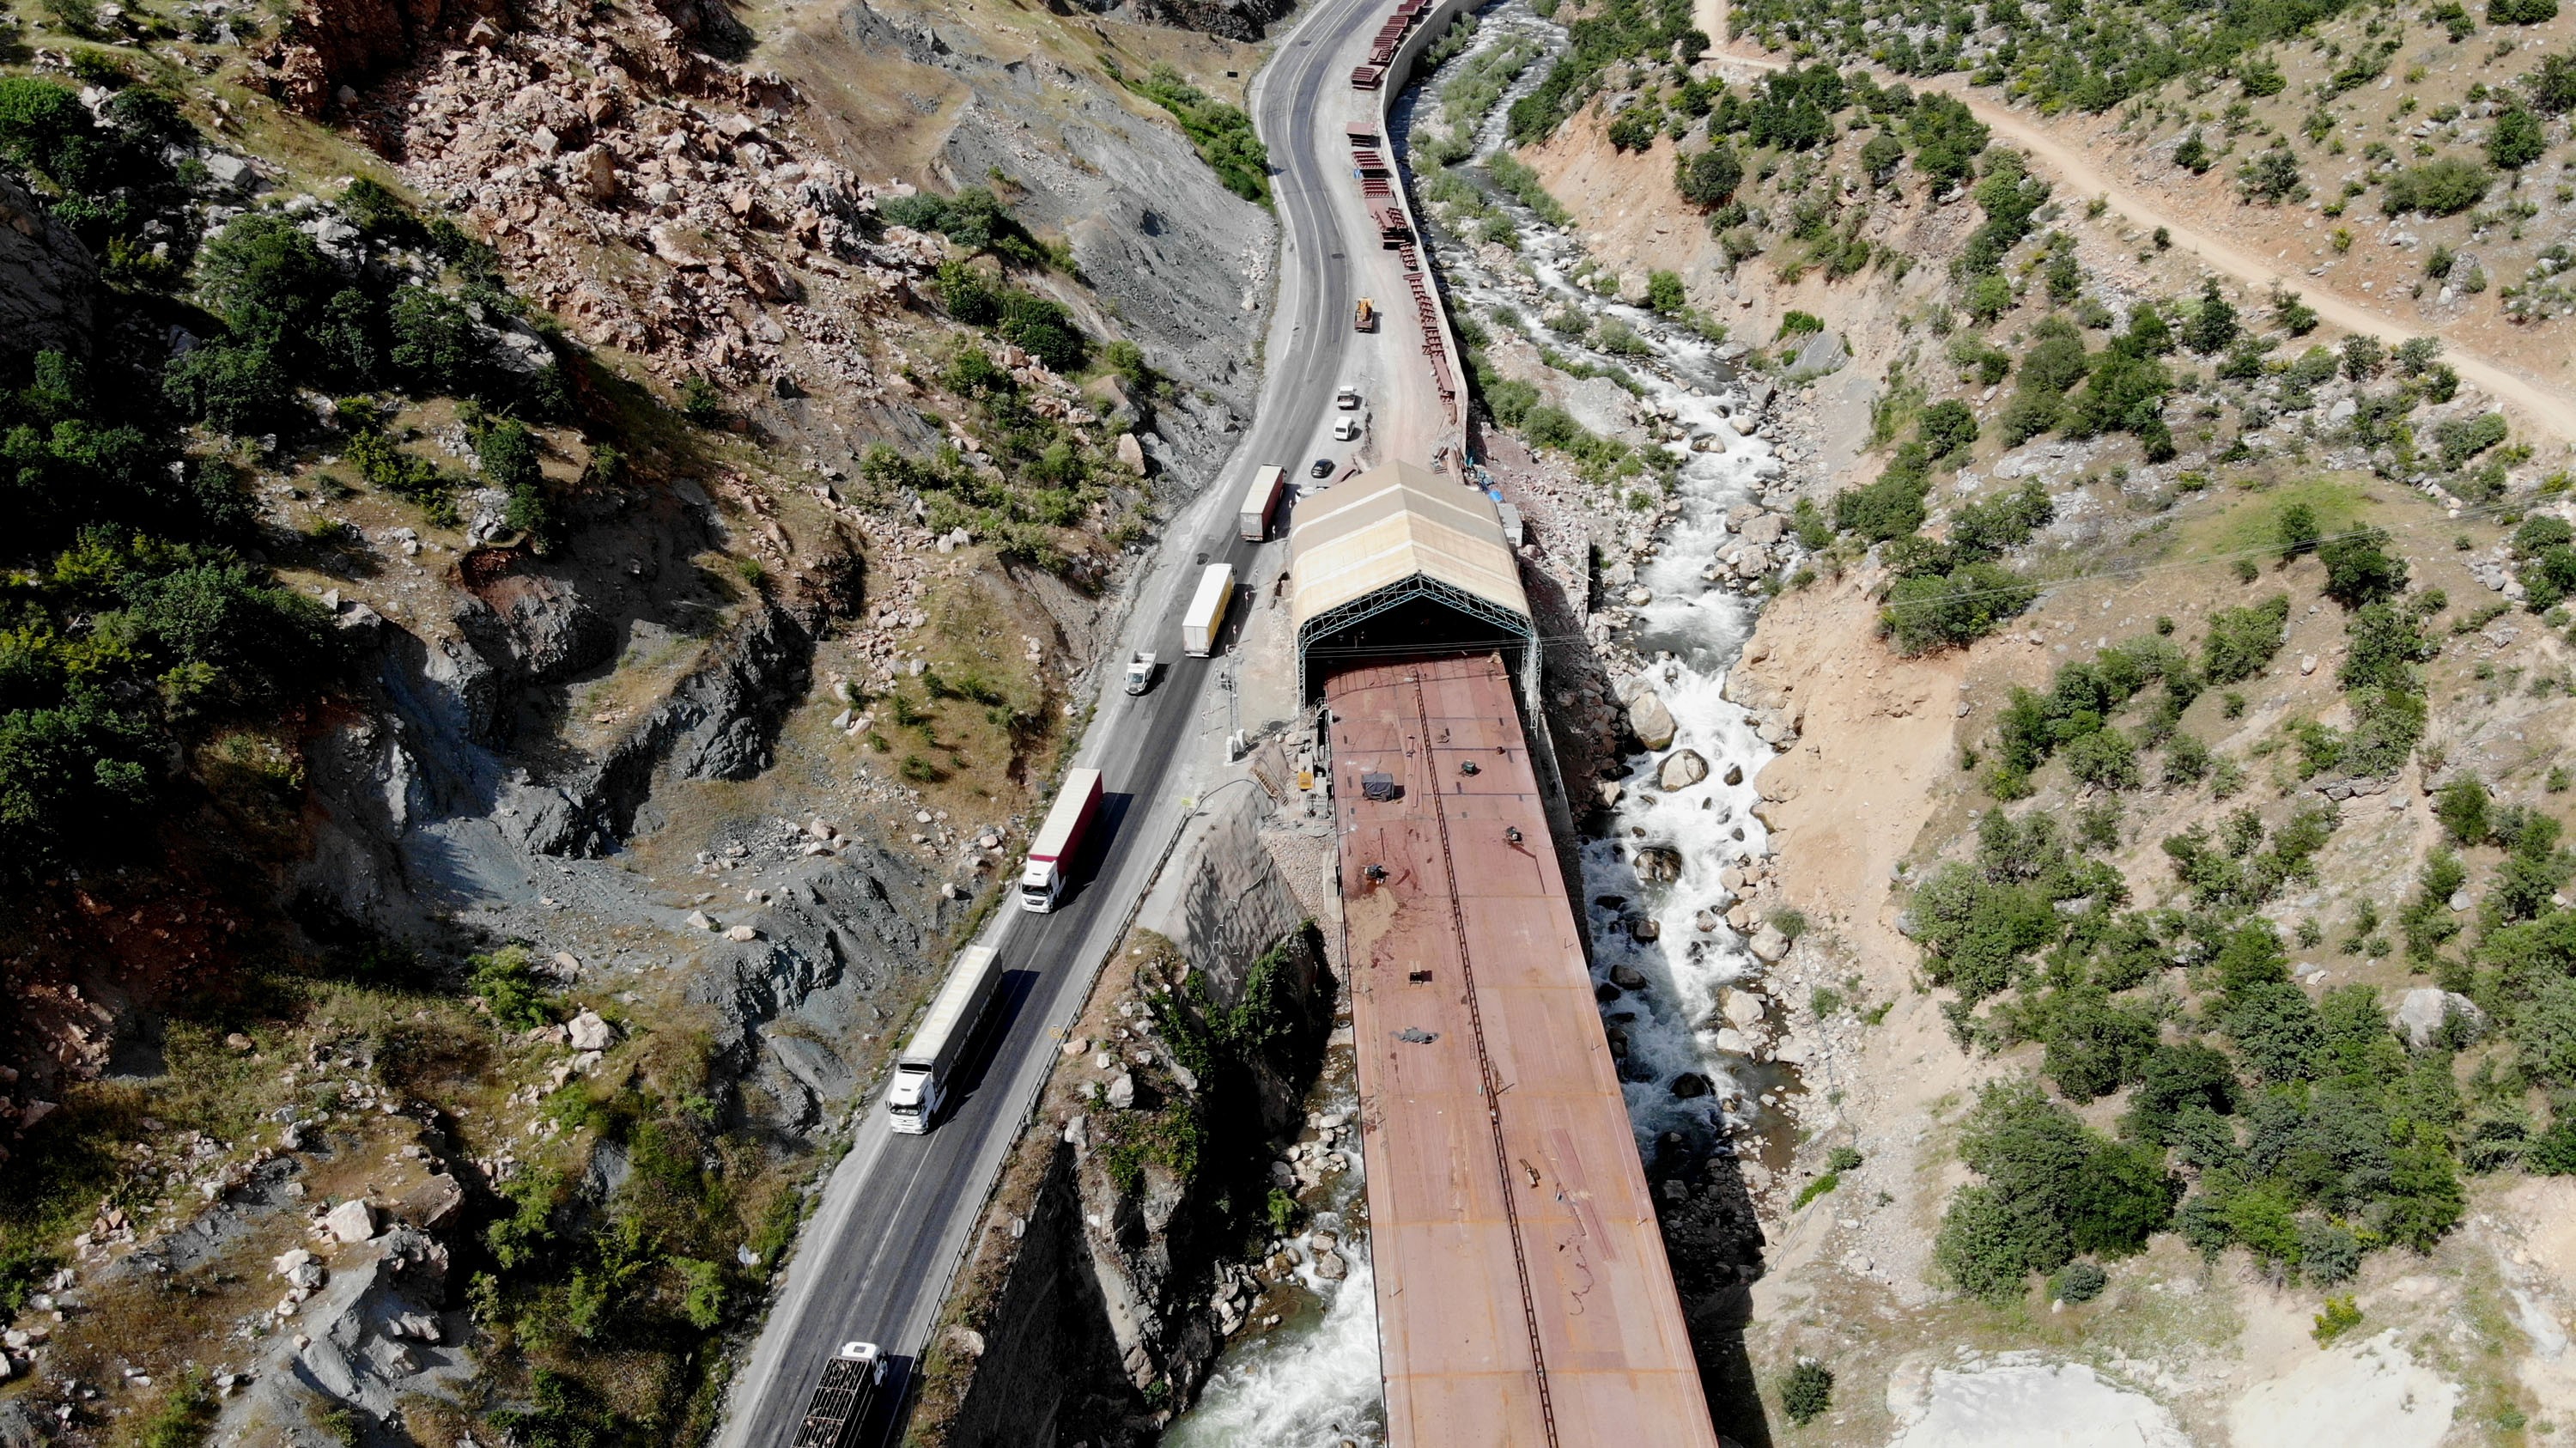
877, 1255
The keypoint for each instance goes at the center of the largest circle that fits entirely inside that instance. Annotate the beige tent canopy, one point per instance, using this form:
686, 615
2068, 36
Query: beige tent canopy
1402, 561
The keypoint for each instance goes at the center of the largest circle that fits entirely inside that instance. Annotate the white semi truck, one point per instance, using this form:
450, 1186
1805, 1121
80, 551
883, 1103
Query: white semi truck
925, 1070
1059, 840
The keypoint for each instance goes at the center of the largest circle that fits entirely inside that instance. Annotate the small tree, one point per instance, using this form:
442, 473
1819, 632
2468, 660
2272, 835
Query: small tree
1709, 178
1808, 1392
2213, 326
2360, 569
2516, 139
2297, 533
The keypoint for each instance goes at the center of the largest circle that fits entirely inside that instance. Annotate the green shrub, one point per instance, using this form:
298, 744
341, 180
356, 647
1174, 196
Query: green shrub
239, 389
1947, 429
1924, 613
1222, 133
2359, 567
2104, 759
1808, 1392
974, 219
2078, 1282
2443, 187
2552, 85
2517, 138
2052, 1187
1891, 507
2463, 438
2213, 323
508, 987
2386, 642
432, 342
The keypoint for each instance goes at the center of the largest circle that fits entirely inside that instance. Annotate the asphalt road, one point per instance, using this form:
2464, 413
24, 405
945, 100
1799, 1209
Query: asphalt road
876, 1258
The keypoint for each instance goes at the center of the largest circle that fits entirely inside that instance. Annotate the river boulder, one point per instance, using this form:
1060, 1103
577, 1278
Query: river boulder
1650, 720
1682, 769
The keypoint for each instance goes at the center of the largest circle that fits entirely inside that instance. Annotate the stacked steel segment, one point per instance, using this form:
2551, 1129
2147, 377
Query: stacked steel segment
1395, 232
1389, 36
1523, 1296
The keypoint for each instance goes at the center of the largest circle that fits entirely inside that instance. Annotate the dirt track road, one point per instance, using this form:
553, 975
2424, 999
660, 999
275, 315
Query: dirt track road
2540, 407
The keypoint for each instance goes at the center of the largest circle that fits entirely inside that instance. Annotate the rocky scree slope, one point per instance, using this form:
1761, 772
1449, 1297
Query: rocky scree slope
581, 880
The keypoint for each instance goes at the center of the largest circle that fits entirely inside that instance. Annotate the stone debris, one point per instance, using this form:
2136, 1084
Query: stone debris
352, 1221
589, 1031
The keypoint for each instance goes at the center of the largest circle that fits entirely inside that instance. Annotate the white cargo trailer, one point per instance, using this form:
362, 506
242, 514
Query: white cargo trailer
925, 1070
1199, 626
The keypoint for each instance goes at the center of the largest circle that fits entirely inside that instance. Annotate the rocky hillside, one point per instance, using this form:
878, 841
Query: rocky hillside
558, 548
2167, 829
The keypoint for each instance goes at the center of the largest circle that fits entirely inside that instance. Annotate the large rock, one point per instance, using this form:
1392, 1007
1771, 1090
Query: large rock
434, 1204
1740, 1007
46, 278
589, 1031
2421, 1012
594, 172
1769, 945
1823, 353
352, 1221
1652, 722
538, 623
1658, 864
1682, 769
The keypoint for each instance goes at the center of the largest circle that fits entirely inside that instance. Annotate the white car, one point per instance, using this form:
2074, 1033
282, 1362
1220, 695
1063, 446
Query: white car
1346, 429
1347, 399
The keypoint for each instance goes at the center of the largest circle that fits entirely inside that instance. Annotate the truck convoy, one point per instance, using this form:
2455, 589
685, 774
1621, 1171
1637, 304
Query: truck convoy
1261, 500
843, 1399
929, 1061
1059, 839
1199, 626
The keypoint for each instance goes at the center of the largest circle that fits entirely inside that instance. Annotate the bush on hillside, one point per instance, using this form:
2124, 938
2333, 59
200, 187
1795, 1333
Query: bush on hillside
2443, 187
